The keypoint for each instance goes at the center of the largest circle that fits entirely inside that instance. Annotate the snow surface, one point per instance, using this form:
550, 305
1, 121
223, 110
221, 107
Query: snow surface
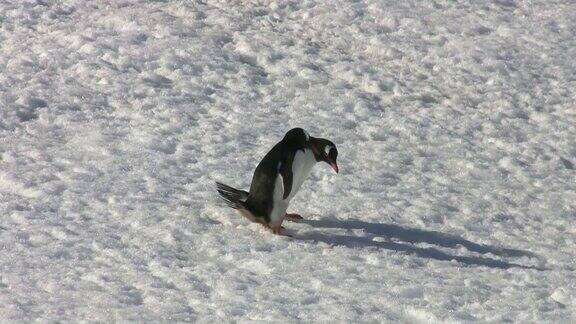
455, 123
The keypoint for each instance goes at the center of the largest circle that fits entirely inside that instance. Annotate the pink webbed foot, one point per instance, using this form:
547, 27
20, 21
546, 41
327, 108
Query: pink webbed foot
293, 217
272, 228
280, 230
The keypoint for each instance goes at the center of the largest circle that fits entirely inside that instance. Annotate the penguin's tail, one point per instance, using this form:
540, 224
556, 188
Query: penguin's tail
233, 197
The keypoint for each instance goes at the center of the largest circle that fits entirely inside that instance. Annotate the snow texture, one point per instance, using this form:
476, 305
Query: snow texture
455, 123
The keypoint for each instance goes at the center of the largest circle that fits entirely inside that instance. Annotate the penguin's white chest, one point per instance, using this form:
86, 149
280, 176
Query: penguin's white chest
301, 167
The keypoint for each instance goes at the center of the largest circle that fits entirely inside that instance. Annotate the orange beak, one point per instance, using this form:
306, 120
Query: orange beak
334, 166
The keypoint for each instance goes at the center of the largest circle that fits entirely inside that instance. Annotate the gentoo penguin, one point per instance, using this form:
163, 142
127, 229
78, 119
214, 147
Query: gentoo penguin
278, 177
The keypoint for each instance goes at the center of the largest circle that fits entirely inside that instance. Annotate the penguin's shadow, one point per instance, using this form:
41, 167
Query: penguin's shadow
402, 239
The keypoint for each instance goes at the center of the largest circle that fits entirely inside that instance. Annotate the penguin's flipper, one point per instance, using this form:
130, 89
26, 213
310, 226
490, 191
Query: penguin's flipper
233, 197
285, 170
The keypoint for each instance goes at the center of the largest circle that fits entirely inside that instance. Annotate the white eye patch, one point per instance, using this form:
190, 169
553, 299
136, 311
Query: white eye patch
307, 135
327, 149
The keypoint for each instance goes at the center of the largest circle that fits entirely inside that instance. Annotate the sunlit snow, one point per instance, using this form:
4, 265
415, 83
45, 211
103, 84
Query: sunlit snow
455, 123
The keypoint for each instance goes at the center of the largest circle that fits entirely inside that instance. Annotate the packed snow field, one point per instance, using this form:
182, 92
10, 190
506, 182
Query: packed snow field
455, 123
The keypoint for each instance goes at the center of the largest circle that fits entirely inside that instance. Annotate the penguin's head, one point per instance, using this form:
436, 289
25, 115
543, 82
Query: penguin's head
324, 150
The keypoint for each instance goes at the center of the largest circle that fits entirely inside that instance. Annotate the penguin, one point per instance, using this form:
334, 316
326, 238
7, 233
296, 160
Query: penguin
278, 177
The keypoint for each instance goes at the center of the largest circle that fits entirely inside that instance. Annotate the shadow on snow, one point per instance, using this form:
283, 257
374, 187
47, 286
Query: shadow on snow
411, 236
